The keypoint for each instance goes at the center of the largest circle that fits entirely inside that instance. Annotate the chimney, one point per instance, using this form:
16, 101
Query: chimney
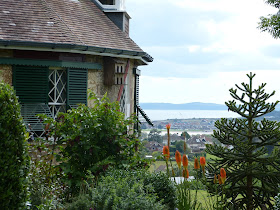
116, 12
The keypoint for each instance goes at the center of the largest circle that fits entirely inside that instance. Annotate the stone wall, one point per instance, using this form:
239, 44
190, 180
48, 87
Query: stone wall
95, 83
6, 70
6, 74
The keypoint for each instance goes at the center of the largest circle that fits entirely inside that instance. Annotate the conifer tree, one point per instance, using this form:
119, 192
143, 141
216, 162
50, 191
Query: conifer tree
252, 173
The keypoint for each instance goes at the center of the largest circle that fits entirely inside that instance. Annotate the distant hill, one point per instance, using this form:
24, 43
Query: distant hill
187, 106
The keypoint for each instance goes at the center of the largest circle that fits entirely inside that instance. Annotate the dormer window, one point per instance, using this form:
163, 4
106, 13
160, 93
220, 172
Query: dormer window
107, 2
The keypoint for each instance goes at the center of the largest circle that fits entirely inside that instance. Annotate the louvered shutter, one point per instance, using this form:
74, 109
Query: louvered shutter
31, 83
76, 87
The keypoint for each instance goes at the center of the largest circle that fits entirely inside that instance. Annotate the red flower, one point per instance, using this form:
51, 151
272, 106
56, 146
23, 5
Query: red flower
196, 163
165, 152
185, 161
168, 126
203, 163
178, 158
223, 175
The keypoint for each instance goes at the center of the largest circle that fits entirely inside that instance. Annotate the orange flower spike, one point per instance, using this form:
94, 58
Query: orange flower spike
165, 152
196, 163
178, 158
168, 126
185, 161
223, 175
203, 163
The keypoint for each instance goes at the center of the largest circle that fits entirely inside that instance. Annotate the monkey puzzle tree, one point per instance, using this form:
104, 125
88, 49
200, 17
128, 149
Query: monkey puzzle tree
253, 174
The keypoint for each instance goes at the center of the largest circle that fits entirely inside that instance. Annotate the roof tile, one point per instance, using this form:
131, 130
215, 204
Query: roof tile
61, 21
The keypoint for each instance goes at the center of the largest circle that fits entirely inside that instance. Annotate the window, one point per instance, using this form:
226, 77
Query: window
107, 2
57, 91
48, 91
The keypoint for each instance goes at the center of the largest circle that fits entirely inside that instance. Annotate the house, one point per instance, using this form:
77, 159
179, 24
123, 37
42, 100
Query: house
173, 138
153, 146
52, 51
198, 143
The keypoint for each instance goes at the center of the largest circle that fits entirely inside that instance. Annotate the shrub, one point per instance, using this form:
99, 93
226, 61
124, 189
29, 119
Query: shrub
14, 161
163, 187
46, 188
124, 190
160, 184
81, 202
94, 138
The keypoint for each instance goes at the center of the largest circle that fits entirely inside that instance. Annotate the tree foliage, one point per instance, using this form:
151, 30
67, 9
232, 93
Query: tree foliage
154, 135
14, 159
253, 174
271, 23
186, 134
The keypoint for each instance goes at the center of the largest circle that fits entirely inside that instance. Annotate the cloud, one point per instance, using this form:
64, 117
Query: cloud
201, 48
213, 89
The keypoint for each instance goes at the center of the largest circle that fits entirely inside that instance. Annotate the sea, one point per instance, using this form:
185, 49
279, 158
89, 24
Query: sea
155, 115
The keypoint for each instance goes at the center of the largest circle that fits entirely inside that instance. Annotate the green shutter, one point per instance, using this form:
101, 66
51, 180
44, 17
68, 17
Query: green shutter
76, 87
31, 83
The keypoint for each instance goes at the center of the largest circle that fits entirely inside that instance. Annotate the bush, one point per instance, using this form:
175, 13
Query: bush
160, 184
163, 187
94, 138
14, 161
124, 190
46, 188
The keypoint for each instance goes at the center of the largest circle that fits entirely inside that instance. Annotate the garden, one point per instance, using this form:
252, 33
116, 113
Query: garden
90, 158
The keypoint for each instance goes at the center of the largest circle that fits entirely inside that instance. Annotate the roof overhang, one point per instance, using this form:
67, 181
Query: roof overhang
142, 57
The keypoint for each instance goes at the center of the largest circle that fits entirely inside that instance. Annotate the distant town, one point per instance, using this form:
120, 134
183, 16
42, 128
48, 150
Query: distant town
204, 124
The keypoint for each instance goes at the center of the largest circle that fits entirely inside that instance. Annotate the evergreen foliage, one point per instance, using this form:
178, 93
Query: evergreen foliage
253, 174
14, 159
272, 22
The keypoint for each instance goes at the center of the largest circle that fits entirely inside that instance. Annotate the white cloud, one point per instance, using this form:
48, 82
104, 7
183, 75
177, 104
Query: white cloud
203, 69
213, 89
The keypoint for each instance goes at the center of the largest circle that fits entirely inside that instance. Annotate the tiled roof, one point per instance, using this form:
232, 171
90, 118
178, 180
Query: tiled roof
78, 22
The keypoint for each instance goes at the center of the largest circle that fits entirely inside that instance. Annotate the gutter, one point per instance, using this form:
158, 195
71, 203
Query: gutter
74, 48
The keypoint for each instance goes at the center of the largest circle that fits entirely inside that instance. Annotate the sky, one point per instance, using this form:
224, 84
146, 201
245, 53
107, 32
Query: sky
202, 48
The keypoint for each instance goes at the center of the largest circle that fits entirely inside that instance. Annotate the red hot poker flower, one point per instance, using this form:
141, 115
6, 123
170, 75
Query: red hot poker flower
168, 126
203, 163
178, 158
185, 161
223, 175
165, 152
196, 163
